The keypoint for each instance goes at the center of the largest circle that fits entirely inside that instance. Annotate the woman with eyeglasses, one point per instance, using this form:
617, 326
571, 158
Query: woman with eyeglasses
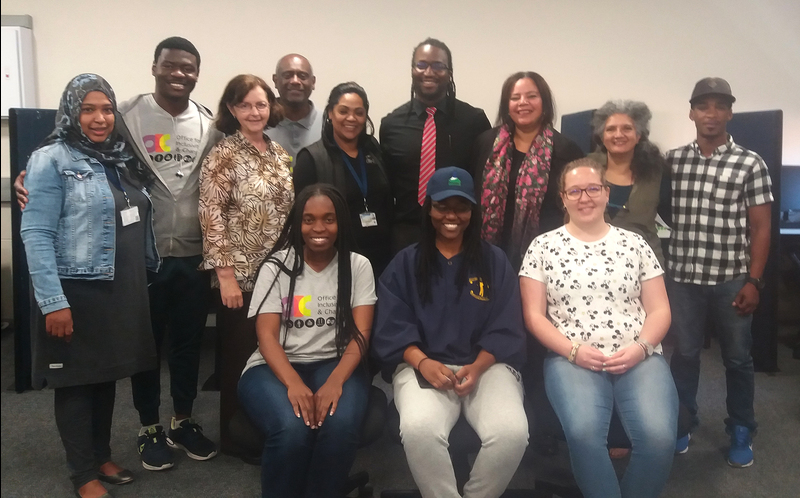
245, 195
637, 174
517, 166
449, 333
349, 157
593, 295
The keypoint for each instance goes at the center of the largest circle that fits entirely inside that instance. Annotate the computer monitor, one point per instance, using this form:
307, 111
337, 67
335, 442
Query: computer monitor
790, 188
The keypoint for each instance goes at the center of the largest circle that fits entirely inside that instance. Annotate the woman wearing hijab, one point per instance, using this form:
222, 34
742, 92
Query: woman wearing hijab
89, 241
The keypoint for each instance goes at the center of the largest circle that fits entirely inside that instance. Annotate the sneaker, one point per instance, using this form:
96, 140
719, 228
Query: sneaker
153, 449
188, 436
741, 453
682, 444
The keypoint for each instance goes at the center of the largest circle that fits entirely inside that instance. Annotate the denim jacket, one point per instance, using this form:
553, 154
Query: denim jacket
69, 225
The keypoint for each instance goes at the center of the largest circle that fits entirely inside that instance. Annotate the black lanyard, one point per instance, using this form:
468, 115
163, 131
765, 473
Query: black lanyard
361, 180
117, 182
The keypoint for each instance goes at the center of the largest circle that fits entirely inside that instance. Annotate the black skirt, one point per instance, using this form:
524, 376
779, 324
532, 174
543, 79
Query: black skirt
112, 334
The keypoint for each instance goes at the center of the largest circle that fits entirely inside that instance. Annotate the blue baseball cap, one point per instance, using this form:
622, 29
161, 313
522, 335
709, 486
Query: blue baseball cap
451, 181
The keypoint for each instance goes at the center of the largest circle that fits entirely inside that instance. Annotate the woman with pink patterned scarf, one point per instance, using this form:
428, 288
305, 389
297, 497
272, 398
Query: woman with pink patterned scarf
517, 165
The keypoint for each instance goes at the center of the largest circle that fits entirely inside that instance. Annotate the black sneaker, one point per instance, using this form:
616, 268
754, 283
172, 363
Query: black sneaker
153, 449
188, 436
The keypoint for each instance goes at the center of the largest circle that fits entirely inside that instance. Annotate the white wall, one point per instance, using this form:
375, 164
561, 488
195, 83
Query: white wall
588, 51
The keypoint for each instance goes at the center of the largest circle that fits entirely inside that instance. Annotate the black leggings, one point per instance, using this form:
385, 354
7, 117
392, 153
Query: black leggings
83, 417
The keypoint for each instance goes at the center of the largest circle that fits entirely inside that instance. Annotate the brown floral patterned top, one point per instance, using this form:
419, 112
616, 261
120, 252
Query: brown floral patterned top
245, 196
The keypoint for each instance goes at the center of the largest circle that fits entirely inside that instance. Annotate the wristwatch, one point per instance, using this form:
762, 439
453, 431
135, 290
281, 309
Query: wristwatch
758, 283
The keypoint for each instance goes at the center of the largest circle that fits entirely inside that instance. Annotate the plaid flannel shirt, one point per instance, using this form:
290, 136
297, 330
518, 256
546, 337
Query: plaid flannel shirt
710, 243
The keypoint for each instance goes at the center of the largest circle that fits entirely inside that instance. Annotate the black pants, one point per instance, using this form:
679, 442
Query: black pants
179, 299
236, 341
83, 418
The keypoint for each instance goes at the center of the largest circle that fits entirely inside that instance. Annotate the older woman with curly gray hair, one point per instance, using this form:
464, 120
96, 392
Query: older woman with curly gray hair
636, 172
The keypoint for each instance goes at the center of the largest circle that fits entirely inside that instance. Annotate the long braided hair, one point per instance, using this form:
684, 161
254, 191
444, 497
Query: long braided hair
291, 237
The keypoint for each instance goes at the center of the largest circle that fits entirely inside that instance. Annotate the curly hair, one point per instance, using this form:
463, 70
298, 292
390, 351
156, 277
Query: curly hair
647, 158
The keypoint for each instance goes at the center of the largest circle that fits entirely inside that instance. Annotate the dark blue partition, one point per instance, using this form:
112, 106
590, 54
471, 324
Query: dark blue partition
26, 130
578, 128
762, 132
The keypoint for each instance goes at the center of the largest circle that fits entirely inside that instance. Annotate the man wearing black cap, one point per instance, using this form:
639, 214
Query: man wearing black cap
718, 250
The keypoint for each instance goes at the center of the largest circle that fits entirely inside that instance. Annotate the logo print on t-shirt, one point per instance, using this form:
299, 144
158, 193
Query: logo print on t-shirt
157, 142
300, 307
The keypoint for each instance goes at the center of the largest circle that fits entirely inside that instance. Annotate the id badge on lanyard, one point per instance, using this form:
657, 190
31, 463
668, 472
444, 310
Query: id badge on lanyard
367, 217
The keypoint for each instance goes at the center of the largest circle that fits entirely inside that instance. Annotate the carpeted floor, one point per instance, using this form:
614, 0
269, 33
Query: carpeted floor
33, 462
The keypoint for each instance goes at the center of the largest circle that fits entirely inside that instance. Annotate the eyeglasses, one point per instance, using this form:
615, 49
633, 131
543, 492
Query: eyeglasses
592, 191
247, 106
437, 67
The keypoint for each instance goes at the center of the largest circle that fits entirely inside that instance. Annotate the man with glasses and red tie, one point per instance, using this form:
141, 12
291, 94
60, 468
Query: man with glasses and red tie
431, 131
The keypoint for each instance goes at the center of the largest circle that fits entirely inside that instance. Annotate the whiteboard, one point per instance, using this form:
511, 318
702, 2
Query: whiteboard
16, 66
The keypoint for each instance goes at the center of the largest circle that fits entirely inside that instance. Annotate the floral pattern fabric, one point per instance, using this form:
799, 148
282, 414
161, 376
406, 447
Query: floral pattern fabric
245, 196
534, 173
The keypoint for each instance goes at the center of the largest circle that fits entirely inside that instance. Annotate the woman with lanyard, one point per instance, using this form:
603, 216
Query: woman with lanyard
348, 157
89, 241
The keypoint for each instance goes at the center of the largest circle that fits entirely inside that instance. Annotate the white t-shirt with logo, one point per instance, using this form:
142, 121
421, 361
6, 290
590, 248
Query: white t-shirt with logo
593, 288
172, 142
308, 328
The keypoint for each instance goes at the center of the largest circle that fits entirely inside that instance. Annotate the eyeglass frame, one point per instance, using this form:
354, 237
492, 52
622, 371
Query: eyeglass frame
599, 186
248, 107
444, 68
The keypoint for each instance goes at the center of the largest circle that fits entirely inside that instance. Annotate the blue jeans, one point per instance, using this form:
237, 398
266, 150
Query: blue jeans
647, 405
690, 303
298, 461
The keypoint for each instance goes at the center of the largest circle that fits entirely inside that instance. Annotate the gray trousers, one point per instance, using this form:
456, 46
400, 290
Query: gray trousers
494, 410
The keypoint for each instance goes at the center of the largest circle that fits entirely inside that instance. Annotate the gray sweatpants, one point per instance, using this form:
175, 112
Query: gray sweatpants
494, 410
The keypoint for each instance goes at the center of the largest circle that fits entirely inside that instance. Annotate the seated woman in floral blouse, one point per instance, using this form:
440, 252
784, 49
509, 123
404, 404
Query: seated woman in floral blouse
245, 194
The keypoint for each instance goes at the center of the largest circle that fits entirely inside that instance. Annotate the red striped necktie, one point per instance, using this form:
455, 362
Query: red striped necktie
427, 159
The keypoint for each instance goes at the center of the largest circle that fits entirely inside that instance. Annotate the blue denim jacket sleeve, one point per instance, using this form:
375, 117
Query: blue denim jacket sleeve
39, 229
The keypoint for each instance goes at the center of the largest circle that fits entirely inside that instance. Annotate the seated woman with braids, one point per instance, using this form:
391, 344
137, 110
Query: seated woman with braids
306, 386
449, 326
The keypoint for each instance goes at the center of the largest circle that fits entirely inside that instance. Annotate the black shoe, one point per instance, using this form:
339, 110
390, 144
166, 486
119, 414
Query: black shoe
189, 437
154, 451
122, 477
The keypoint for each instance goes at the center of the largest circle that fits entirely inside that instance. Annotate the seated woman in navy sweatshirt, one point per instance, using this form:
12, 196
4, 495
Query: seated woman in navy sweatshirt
449, 326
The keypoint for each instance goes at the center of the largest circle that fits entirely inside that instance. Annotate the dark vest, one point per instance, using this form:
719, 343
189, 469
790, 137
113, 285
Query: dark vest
639, 213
